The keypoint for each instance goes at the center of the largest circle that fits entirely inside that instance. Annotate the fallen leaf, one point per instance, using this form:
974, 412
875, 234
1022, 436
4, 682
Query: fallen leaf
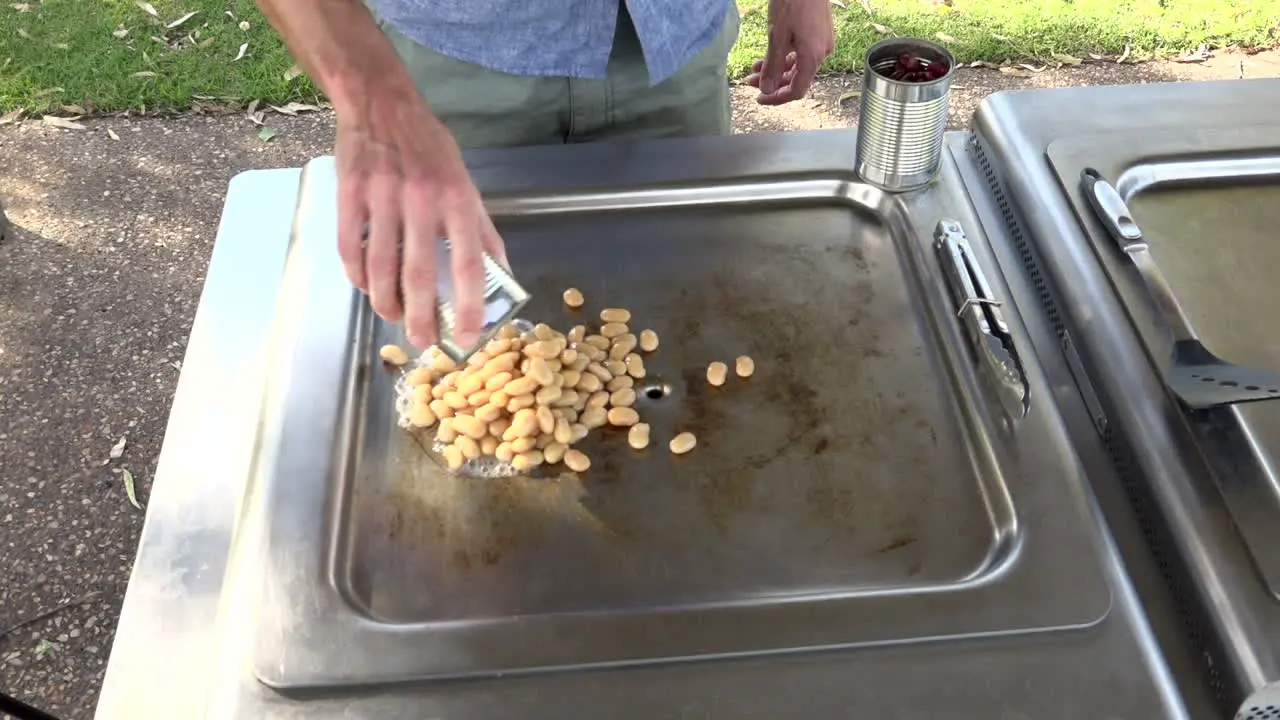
838, 3
252, 110
144, 74
60, 46
118, 449
147, 8
63, 123
21, 7
73, 110
266, 134
1032, 68
112, 134
129, 489
49, 91
229, 14
866, 5
1200, 54
1067, 59
182, 19
881, 29
244, 25
1096, 56
22, 33
292, 73
243, 48
946, 38
983, 64
1001, 38
1125, 55
11, 117
120, 32
294, 108
845, 97
1017, 72
205, 42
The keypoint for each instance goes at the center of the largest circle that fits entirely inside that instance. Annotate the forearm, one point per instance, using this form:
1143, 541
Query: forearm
341, 47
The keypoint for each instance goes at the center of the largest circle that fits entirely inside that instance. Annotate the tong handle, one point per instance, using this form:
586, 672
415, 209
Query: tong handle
1112, 210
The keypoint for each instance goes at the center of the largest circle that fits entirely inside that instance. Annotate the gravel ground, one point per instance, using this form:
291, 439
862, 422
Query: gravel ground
99, 280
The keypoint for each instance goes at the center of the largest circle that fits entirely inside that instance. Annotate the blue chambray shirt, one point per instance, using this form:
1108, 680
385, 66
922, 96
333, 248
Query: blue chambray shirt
556, 38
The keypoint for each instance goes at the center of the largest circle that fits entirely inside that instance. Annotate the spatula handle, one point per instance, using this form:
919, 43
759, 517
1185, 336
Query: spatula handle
1112, 210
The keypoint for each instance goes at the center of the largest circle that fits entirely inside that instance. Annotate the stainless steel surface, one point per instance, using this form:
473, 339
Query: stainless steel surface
193, 614
857, 490
1204, 481
901, 124
1200, 379
979, 309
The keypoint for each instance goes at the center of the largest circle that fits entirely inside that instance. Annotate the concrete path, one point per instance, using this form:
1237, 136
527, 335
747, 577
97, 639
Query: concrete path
99, 280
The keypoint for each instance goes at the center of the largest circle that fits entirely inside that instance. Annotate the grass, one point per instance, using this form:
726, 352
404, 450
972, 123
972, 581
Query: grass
114, 54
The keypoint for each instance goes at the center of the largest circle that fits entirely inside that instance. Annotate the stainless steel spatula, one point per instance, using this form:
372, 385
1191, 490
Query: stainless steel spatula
1199, 378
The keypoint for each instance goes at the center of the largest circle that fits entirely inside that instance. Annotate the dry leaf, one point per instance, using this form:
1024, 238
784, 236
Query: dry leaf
182, 19
205, 42
146, 7
60, 46
63, 123
244, 25
292, 73
1032, 68
294, 108
11, 117
73, 110
144, 74
129, 489
49, 91
1096, 56
1067, 59
266, 134
22, 33
243, 48
1017, 72
112, 134
120, 32
946, 38
1125, 55
838, 3
881, 29
983, 64
118, 449
22, 7
846, 97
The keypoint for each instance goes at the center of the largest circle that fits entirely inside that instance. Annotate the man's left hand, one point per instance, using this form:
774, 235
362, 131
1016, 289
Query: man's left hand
801, 35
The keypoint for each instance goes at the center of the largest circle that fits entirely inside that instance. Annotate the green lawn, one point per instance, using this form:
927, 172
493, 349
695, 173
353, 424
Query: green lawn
114, 54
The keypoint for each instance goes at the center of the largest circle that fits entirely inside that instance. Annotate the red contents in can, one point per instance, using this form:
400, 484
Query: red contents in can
910, 68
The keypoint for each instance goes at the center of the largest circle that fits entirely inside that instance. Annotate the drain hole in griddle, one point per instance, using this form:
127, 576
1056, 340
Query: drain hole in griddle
656, 390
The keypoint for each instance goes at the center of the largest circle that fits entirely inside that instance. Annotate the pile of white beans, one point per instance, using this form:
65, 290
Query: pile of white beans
527, 398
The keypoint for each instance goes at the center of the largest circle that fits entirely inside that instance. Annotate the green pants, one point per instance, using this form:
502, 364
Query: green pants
486, 108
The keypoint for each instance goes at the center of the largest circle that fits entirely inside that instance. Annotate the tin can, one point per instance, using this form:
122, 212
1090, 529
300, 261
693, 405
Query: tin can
904, 113
503, 298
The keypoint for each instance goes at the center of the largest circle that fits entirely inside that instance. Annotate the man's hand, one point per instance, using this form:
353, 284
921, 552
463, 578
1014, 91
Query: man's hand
400, 173
801, 36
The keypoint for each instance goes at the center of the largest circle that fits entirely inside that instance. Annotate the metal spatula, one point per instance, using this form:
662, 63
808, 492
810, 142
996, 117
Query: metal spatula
1199, 378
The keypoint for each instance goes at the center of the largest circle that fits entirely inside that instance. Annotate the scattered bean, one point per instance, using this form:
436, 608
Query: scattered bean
393, 355
745, 366
573, 298
615, 315
638, 436
623, 416
577, 461
716, 373
683, 443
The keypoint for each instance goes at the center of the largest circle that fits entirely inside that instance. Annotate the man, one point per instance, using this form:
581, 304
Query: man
427, 76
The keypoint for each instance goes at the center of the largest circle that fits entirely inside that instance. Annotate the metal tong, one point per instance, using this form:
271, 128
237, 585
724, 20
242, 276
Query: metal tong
979, 311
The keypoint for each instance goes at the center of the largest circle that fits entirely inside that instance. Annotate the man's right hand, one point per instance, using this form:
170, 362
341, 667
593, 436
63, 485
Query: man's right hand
401, 174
